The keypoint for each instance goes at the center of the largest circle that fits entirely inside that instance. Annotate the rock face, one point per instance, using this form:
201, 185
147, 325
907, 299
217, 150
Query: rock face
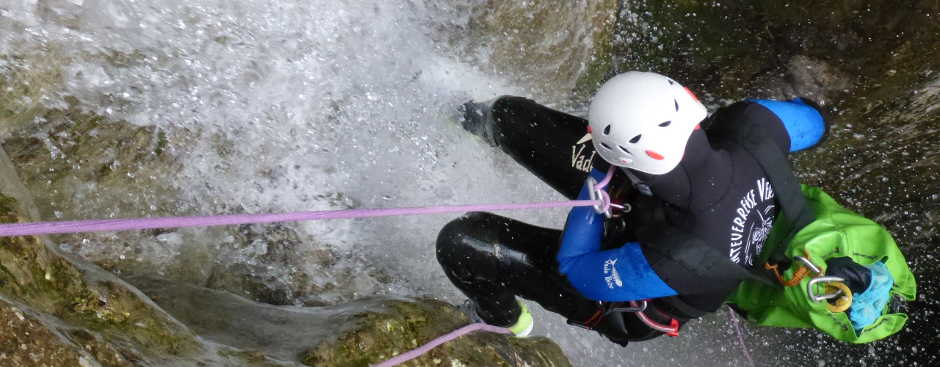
405, 324
74, 305
359, 333
554, 48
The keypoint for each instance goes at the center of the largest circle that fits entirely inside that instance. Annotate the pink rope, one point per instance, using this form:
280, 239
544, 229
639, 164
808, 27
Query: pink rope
107, 225
603, 197
417, 352
606, 180
737, 327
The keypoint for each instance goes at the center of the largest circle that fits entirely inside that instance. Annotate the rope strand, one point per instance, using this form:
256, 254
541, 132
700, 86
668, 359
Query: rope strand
419, 351
109, 225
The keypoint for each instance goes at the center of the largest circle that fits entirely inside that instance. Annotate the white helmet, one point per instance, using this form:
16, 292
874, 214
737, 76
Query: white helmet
643, 121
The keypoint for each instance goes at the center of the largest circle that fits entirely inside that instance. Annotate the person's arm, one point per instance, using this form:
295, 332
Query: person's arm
804, 122
621, 274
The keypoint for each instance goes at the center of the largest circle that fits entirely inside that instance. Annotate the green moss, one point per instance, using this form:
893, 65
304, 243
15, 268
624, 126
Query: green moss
28, 342
249, 358
24, 82
51, 284
601, 64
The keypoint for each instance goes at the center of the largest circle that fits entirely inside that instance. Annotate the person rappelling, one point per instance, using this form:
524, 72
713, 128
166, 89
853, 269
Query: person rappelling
704, 211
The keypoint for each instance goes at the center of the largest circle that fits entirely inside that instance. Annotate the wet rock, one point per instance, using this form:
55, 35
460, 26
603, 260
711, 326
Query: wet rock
28, 342
402, 326
82, 165
873, 65
357, 333
560, 47
51, 282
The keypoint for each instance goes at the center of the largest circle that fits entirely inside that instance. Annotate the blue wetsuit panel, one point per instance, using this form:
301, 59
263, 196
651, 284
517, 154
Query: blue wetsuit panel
804, 124
621, 274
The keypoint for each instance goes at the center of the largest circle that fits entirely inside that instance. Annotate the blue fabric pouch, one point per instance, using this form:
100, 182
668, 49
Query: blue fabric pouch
868, 305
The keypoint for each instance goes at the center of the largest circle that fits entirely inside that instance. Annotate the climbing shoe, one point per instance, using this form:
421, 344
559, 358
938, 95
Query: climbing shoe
524, 324
521, 328
477, 119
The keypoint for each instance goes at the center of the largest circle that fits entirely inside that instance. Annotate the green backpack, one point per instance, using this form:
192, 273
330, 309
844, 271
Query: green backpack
815, 227
835, 232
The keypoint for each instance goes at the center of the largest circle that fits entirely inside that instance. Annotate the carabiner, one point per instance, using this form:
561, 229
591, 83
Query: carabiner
597, 194
811, 288
809, 264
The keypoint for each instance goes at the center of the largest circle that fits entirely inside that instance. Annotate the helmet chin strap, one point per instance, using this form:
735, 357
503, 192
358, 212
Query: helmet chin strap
640, 186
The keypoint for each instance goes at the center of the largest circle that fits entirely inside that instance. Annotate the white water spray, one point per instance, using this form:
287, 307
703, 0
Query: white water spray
299, 105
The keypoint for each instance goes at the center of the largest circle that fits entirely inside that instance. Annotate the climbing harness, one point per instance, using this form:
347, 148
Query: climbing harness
639, 308
605, 309
672, 329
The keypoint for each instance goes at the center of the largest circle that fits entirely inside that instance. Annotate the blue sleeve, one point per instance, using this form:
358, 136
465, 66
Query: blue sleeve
621, 274
584, 228
804, 124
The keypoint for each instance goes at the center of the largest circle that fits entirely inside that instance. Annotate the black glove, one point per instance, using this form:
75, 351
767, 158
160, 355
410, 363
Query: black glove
856, 276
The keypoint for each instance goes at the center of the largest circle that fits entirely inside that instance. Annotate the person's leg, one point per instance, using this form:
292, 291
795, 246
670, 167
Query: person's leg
551, 144
492, 259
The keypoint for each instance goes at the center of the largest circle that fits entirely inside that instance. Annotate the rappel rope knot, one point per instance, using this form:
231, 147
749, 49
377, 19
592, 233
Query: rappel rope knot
598, 194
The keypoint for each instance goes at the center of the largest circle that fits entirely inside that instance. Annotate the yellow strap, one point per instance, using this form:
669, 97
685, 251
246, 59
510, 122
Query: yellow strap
798, 275
842, 303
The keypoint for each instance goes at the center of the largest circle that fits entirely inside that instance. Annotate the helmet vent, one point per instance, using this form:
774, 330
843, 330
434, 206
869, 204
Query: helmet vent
670, 82
636, 139
606, 146
607, 130
677, 104
624, 149
664, 124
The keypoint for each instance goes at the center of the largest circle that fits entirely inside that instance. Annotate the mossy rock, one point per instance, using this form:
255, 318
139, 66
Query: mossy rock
27, 341
34, 274
381, 335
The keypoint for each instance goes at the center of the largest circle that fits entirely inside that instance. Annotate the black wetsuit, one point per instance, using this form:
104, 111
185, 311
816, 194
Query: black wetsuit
718, 194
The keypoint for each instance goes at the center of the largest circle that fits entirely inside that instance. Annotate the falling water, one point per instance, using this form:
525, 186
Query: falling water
250, 106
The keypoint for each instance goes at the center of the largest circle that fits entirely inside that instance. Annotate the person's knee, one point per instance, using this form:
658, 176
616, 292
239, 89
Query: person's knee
457, 240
